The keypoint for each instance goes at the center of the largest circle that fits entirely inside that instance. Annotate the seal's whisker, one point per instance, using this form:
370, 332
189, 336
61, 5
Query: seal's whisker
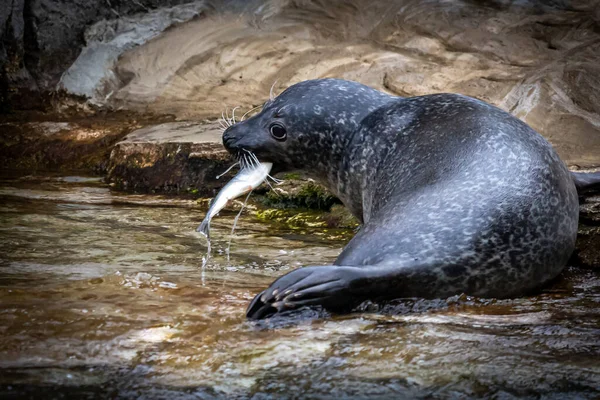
277, 181
271, 91
247, 151
224, 119
244, 161
249, 111
233, 114
228, 117
268, 183
255, 158
246, 155
228, 169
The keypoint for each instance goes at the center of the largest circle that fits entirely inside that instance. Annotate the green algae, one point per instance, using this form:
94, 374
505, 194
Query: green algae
300, 194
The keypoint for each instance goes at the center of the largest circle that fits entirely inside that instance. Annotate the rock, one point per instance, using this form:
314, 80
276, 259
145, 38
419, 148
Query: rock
108, 39
297, 191
40, 39
537, 60
177, 157
587, 252
82, 144
12, 51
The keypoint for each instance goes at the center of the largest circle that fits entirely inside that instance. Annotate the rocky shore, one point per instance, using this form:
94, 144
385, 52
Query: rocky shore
150, 155
131, 90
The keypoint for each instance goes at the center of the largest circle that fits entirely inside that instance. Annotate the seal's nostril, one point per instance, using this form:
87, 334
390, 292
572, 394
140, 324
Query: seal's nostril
228, 141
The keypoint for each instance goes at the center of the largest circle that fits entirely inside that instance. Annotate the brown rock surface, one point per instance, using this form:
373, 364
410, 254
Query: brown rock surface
176, 157
538, 60
587, 251
78, 143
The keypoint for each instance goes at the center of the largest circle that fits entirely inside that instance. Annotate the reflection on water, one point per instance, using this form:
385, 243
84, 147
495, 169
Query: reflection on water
102, 294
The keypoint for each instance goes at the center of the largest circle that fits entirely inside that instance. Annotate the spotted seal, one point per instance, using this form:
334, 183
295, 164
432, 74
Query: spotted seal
454, 194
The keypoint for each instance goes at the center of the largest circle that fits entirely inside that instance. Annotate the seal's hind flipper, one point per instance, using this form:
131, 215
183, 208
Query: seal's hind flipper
586, 181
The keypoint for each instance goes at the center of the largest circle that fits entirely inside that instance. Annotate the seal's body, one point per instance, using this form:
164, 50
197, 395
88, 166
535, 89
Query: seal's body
455, 195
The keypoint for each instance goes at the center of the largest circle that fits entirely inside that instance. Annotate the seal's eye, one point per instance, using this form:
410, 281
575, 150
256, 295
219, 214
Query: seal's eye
278, 131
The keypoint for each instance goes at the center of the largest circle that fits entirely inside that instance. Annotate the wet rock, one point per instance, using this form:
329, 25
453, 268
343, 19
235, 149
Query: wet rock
40, 39
82, 144
587, 253
177, 157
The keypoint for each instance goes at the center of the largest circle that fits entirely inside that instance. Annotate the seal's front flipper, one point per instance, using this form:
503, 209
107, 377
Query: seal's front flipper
586, 181
258, 309
335, 288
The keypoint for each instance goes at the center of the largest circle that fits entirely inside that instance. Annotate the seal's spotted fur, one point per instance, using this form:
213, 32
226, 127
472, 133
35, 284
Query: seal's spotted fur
455, 195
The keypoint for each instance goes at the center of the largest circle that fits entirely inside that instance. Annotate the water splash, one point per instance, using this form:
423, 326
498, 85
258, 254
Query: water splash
235, 221
205, 261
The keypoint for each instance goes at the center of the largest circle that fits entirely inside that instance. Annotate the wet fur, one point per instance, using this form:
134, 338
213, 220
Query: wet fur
456, 195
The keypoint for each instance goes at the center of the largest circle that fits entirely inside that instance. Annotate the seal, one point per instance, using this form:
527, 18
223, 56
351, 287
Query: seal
454, 195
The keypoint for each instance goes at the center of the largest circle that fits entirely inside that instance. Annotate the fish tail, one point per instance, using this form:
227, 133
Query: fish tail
204, 227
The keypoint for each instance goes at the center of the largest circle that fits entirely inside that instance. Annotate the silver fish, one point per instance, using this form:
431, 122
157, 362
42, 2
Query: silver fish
246, 180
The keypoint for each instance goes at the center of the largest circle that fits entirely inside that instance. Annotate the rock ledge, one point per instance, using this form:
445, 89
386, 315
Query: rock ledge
175, 157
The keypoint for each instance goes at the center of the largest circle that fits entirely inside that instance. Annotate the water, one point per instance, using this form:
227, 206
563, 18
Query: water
103, 295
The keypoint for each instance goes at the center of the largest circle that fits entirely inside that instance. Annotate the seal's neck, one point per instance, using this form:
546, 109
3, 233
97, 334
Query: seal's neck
341, 157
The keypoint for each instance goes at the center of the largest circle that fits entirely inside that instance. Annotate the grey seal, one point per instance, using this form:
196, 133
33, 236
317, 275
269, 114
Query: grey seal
454, 195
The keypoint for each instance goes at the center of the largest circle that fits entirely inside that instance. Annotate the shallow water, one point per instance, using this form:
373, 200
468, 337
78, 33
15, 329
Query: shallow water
103, 295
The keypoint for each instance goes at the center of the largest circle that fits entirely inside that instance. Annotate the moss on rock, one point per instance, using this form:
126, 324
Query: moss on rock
296, 193
292, 218
338, 217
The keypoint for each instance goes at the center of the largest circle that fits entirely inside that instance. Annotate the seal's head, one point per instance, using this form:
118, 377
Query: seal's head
306, 126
